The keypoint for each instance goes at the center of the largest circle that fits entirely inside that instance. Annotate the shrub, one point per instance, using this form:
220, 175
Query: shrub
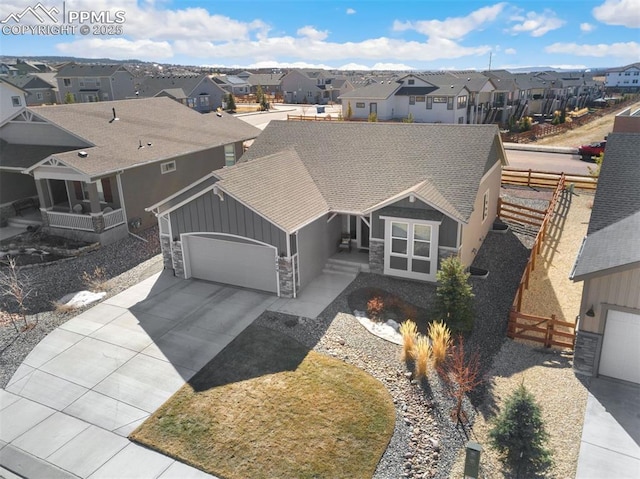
440, 342
373, 117
454, 294
422, 355
409, 332
519, 435
375, 306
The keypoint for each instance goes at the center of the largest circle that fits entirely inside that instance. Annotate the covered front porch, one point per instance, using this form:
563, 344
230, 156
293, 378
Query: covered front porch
91, 210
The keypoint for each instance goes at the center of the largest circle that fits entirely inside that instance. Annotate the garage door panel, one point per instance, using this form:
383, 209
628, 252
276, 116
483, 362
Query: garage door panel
620, 355
231, 262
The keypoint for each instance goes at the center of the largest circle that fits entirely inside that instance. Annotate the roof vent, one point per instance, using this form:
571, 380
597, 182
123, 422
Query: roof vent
114, 118
83, 154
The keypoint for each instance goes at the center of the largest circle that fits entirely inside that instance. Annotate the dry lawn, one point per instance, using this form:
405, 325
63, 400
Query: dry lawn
267, 407
593, 131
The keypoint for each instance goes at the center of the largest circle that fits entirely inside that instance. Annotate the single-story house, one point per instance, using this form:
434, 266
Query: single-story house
199, 92
101, 163
406, 195
608, 335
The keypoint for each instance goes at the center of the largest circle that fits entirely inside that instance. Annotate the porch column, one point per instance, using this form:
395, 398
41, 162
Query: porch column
94, 198
43, 193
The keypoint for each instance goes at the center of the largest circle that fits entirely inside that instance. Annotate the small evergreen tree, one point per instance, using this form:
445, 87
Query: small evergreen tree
231, 103
408, 119
373, 117
519, 435
264, 104
68, 98
349, 111
454, 294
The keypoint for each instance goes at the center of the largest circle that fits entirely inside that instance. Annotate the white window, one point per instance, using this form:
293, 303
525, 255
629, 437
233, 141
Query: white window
229, 155
485, 205
167, 167
15, 101
410, 251
411, 82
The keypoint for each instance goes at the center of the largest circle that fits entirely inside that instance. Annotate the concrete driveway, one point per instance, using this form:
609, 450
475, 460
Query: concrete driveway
610, 445
68, 409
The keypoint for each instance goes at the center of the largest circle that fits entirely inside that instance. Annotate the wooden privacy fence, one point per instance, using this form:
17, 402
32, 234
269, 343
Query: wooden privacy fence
326, 117
525, 326
546, 179
519, 213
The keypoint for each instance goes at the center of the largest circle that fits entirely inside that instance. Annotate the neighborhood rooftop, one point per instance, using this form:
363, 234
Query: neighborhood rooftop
142, 132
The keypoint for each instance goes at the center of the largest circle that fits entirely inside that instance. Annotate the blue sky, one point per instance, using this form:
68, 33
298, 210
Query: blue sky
355, 34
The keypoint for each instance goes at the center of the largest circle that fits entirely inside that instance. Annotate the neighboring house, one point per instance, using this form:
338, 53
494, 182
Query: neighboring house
625, 78
412, 95
407, 195
199, 92
118, 158
232, 84
12, 100
608, 336
304, 86
91, 83
269, 82
627, 121
39, 91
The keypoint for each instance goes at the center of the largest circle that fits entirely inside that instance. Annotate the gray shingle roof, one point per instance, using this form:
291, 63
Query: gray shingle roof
151, 86
80, 70
614, 228
172, 128
278, 186
357, 166
265, 79
374, 91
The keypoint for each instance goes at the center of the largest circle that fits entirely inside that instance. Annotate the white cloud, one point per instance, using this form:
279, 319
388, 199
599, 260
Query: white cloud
311, 33
536, 24
587, 27
618, 12
391, 66
117, 48
578, 66
452, 27
630, 51
510, 51
350, 11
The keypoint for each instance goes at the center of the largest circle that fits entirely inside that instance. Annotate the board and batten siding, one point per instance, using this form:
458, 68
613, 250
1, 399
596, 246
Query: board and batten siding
448, 232
317, 241
207, 213
617, 289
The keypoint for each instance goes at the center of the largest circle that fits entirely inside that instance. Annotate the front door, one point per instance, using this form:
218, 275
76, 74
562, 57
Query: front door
373, 108
362, 233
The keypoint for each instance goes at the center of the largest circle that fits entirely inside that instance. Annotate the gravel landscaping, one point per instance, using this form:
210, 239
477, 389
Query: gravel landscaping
125, 263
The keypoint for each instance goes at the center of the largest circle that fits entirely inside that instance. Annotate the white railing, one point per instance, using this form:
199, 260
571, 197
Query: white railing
70, 221
113, 218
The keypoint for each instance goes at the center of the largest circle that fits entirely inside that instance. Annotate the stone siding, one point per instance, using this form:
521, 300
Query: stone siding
98, 223
586, 352
285, 273
178, 261
376, 256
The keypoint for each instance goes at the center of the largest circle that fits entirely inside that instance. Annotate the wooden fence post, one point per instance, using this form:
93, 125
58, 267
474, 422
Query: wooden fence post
549, 336
529, 178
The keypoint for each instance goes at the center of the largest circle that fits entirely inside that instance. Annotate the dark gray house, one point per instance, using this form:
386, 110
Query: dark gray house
608, 335
198, 92
91, 83
404, 195
97, 165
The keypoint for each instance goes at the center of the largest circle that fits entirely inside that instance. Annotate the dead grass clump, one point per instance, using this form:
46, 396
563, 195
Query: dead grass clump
409, 332
422, 354
96, 281
440, 336
63, 308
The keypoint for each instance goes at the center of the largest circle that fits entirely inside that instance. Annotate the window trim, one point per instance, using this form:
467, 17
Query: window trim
16, 101
229, 152
168, 167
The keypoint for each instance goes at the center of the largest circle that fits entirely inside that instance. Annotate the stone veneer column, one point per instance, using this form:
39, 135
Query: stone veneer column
98, 223
178, 261
586, 350
165, 247
376, 256
45, 218
285, 274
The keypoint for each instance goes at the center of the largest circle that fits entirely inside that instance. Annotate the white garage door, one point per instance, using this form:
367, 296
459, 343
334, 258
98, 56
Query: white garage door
232, 261
620, 356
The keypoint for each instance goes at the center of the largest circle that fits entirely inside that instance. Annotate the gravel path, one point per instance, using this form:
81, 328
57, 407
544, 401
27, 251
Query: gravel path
125, 263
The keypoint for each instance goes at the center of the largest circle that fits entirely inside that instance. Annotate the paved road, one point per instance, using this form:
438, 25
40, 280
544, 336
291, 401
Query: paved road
554, 162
